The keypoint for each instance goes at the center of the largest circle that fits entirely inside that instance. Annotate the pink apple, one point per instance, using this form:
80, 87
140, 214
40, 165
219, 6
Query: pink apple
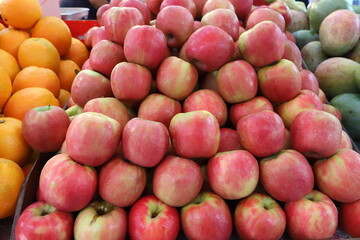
265, 14
139, 5
259, 217
97, 35
309, 81
154, 5
177, 180
216, 4
66, 184
145, 45
41, 220
262, 133
44, 128
114, 3
195, 134
88, 35
315, 134
176, 23
289, 36
121, 183
333, 110
292, 53
145, 142
242, 7
188, 4
236, 81
286, 176
345, 141
234, 174
280, 82
152, 219
176, 78
337, 176
209, 47
88, 85
88, 143
86, 65
349, 220
199, 7
129, 89
258, 48
313, 217
282, 8
253, 105
101, 220
322, 96
209, 100
207, 217
229, 140
100, 12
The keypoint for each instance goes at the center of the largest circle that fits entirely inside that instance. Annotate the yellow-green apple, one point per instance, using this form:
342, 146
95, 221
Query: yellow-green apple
242, 7
209, 47
338, 175
306, 99
199, 7
209, 100
160, 108
176, 78
152, 219
100, 12
223, 18
128, 89
145, 45
315, 216
44, 128
262, 133
105, 55
187, 4
87, 142
229, 140
154, 6
234, 174
66, 184
207, 217
292, 53
259, 216
315, 133
309, 81
195, 134
73, 111
41, 220
262, 14
110, 107
89, 84
287, 176
258, 48
236, 81
177, 180
279, 82
139, 5
118, 20
345, 141
121, 183
145, 142
101, 220
282, 8
176, 23
349, 220
215, 4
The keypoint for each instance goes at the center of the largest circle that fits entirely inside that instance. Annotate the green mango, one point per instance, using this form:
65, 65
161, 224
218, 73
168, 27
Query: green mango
349, 106
305, 36
301, 6
299, 21
313, 55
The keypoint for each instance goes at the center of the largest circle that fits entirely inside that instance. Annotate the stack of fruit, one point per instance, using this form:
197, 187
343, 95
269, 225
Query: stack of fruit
193, 117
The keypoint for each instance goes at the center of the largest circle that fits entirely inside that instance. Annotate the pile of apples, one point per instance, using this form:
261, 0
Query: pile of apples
193, 119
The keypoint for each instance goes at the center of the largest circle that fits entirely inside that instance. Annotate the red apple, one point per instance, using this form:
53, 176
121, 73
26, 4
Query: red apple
322, 96
154, 5
345, 141
282, 8
145, 142
97, 35
100, 12
259, 217
242, 7
265, 14
188, 4
292, 53
216, 4
309, 81
209, 81
229, 140
41, 220
349, 220
101, 220
88, 35
177, 180
313, 217
333, 110
152, 219
287, 176
206, 217
44, 128
139, 5
114, 3
199, 7
66, 184
289, 36
88, 143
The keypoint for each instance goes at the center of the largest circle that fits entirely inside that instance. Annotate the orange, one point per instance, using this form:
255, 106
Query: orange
5, 88
55, 30
67, 72
11, 180
34, 76
25, 99
63, 97
12, 143
38, 52
22, 14
78, 52
11, 38
9, 63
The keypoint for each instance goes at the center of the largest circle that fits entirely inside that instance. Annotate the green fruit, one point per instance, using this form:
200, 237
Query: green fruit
354, 54
356, 8
299, 21
313, 55
321, 9
304, 36
349, 106
357, 78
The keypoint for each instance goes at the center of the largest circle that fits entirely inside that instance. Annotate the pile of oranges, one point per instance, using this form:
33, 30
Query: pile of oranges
39, 60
